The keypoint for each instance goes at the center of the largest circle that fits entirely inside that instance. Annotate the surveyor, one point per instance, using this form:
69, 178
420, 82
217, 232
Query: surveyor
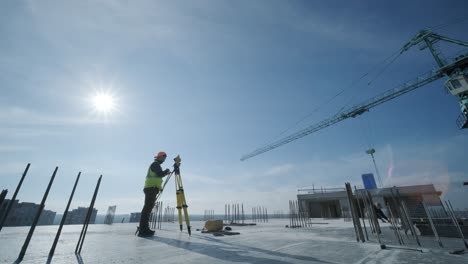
152, 187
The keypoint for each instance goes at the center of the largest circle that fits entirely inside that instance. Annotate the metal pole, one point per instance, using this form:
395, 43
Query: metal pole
243, 216
350, 201
356, 221
367, 210
432, 225
413, 230
361, 212
394, 225
455, 221
374, 218
377, 170
36, 218
2, 197
62, 222
296, 214
87, 219
13, 198
408, 217
160, 215
400, 212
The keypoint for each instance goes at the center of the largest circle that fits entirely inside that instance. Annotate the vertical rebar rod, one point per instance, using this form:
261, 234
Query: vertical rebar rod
374, 217
62, 222
434, 230
455, 222
151, 217
293, 214
408, 217
36, 218
80, 243
361, 212
301, 217
2, 197
356, 221
243, 216
296, 214
400, 211
367, 210
394, 225
13, 198
413, 230
160, 216
156, 215
232, 213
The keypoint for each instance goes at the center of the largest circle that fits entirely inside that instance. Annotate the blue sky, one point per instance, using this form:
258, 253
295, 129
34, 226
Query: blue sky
213, 80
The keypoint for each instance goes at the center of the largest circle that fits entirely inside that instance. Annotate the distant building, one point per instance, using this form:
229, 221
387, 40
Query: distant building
333, 203
23, 214
135, 217
77, 216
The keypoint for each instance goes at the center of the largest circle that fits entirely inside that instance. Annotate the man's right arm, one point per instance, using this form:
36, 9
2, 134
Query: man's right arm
156, 168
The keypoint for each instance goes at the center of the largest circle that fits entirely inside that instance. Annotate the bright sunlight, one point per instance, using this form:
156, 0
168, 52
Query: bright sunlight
104, 103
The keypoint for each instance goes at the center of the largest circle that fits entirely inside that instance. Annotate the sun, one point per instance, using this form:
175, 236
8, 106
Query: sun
104, 102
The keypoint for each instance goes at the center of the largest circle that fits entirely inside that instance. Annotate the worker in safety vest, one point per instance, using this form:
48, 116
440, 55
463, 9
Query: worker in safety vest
152, 187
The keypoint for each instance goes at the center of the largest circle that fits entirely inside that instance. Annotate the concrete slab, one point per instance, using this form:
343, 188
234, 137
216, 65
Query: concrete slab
265, 243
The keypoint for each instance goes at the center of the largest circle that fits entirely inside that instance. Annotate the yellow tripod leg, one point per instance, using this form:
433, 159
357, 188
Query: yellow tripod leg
184, 206
179, 204
183, 203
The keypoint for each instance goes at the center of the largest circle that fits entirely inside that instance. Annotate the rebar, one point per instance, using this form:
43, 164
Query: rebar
62, 222
36, 218
80, 243
13, 198
455, 221
434, 230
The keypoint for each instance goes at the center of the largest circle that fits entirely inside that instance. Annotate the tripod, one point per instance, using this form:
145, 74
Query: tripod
180, 195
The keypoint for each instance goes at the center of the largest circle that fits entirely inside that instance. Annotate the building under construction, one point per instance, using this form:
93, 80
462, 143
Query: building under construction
334, 203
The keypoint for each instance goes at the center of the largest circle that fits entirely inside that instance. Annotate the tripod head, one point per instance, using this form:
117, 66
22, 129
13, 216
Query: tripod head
177, 161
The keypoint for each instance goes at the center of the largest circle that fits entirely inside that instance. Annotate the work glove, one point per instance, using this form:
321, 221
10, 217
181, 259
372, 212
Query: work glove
167, 172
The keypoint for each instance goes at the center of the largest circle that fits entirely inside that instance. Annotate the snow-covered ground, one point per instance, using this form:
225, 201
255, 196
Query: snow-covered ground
265, 243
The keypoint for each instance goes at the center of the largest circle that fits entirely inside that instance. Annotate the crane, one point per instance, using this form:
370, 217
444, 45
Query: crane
455, 71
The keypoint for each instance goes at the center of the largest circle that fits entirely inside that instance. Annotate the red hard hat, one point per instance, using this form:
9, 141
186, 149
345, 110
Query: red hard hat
161, 154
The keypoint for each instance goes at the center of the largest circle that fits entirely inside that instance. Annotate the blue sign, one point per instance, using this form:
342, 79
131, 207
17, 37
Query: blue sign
369, 181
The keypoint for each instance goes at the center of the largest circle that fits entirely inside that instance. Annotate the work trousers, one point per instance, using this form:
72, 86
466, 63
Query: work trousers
150, 199
381, 215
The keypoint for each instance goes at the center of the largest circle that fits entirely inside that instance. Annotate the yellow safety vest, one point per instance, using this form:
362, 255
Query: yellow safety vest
152, 179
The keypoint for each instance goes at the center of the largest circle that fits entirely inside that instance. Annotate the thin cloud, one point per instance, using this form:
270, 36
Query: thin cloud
14, 116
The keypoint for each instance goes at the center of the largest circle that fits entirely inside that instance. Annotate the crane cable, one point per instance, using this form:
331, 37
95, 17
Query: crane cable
393, 58
352, 84
458, 20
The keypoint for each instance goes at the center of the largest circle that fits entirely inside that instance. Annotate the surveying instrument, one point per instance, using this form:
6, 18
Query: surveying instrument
180, 195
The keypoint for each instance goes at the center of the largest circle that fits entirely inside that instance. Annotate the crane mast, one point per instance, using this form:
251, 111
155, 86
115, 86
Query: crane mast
456, 73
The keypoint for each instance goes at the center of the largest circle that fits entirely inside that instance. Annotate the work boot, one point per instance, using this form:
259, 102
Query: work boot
145, 232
